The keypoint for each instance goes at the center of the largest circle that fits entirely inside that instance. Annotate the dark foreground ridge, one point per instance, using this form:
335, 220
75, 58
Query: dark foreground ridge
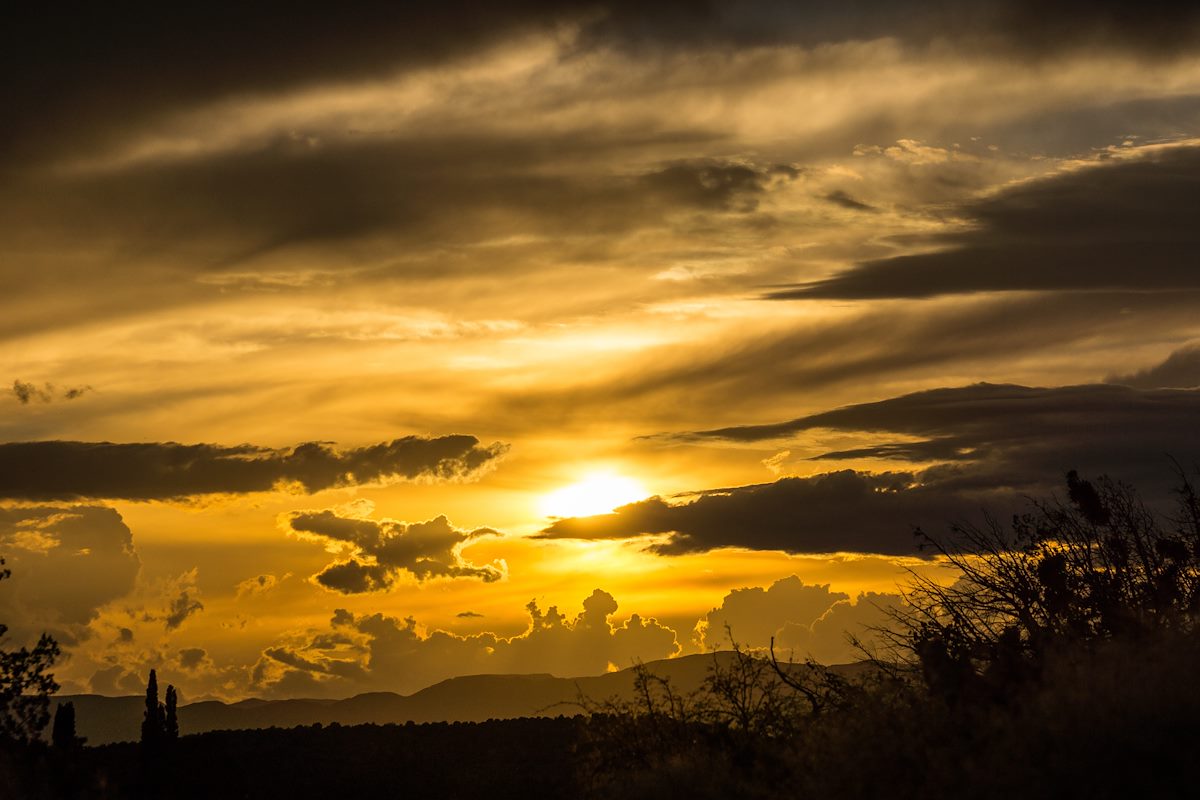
528, 758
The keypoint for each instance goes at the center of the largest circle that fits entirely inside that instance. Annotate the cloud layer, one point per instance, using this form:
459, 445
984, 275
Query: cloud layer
54, 470
1007, 435
1122, 224
836, 512
989, 446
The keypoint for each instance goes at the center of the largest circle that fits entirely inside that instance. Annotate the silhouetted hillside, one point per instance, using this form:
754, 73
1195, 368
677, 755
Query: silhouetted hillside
472, 698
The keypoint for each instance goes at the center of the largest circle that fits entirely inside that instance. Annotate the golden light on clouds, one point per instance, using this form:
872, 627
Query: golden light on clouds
715, 301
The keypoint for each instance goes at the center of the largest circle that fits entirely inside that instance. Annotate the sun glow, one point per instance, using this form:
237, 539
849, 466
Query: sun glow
595, 494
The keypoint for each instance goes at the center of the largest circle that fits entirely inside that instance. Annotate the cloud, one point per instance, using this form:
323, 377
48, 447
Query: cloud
116, 681
834, 512
1122, 224
751, 616
182, 607
380, 652
381, 550
840, 198
27, 392
116, 69
827, 639
258, 585
989, 445
166, 470
468, 615
191, 658
67, 563
1011, 435
183, 601
876, 345
1181, 369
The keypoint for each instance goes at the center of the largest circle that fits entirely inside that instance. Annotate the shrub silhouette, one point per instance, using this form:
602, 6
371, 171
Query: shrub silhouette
1061, 663
1066, 577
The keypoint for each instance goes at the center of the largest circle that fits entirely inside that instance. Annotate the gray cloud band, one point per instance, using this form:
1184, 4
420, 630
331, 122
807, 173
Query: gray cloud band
996, 444
165, 470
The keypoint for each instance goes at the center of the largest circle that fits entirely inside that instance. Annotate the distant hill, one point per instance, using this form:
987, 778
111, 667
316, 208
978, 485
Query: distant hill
472, 698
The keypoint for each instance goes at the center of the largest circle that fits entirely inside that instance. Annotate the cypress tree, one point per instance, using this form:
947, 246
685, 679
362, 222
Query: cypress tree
171, 719
152, 722
62, 735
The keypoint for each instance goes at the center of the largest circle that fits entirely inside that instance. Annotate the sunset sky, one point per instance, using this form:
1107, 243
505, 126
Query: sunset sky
325, 336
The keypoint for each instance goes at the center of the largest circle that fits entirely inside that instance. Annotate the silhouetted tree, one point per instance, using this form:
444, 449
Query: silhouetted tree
152, 719
170, 718
25, 686
62, 734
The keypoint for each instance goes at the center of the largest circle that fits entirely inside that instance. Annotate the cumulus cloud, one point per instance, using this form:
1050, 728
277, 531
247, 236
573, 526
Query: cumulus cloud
831, 638
166, 470
380, 652
751, 616
115, 681
1122, 224
67, 562
381, 550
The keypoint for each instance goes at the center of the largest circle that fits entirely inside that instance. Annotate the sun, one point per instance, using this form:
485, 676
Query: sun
598, 493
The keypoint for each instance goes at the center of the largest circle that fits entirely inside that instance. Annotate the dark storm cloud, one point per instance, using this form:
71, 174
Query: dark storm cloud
1180, 370
837, 512
166, 470
1126, 225
384, 549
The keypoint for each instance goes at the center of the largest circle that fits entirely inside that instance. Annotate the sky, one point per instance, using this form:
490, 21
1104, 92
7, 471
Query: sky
353, 350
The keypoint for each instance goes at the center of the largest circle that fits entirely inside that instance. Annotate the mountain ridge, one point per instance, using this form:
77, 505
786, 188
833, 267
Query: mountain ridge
464, 698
